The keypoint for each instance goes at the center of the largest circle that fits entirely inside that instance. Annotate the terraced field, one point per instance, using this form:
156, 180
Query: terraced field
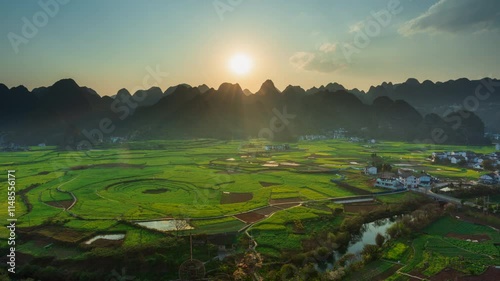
218, 186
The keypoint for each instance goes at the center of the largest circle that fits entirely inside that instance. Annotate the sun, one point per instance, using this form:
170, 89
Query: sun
240, 64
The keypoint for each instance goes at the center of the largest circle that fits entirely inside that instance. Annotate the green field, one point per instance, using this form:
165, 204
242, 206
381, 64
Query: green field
444, 244
93, 192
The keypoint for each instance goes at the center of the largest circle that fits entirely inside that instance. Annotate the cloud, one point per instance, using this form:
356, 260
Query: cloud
313, 62
328, 47
455, 16
356, 27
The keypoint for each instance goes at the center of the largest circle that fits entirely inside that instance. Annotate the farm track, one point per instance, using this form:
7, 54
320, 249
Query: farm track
70, 193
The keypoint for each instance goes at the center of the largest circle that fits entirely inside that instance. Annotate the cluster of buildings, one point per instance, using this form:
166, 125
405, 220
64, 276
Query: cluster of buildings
278, 147
312, 137
404, 178
469, 158
491, 178
12, 147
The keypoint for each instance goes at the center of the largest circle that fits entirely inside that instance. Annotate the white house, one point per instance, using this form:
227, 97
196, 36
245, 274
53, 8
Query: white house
440, 155
371, 170
477, 167
41, 144
424, 180
457, 159
391, 183
411, 182
497, 146
491, 178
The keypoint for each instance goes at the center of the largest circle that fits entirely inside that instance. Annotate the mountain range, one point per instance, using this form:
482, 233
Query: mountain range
455, 112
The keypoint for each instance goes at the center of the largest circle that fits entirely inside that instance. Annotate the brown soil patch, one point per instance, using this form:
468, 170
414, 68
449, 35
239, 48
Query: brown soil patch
268, 184
62, 234
229, 198
267, 210
250, 217
285, 200
63, 204
360, 207
478, 237
353, 189
491, 274
386, 274
448, 274
155, 191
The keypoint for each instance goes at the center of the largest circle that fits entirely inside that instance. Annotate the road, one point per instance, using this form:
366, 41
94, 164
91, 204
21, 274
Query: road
442, 197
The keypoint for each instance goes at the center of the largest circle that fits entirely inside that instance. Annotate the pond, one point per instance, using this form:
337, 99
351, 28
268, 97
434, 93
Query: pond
167, 225
367, 236
114, 237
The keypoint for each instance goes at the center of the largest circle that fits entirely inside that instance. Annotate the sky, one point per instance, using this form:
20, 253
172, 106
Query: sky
114, 44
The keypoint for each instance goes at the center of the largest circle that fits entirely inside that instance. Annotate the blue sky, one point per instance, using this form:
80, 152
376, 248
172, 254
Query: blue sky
107, 45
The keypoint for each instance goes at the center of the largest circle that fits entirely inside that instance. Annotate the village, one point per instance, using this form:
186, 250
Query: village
405, 178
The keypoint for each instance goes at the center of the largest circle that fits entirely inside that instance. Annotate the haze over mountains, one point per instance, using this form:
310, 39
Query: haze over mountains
65, 113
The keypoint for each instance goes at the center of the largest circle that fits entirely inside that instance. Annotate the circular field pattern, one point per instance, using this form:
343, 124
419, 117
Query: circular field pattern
154, 191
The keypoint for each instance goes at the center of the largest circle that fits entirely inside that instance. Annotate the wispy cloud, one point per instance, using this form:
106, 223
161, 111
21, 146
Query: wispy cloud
310, 61
356, 27
328, 47
454, 16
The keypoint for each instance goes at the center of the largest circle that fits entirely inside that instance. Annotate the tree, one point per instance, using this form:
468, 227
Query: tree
370, 252
488, 165
336, 274
352, 224
289, 272
180, 224
379, 239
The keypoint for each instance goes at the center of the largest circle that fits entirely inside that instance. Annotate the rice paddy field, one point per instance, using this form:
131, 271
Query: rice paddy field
214, 186
448, 249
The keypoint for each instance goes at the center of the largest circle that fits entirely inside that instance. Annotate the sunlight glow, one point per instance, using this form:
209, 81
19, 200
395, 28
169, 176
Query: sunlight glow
240, 64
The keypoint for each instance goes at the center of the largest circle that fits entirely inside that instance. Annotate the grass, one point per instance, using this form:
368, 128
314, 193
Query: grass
448, 224
371, 271
432, 252
396, 251
115, 182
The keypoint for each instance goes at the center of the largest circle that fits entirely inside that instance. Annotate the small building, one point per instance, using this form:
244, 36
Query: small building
41, 144
477, 166
439, 155
497, 146
425, 180
391, 183
457, 159
411, 181
371, 170
491, 178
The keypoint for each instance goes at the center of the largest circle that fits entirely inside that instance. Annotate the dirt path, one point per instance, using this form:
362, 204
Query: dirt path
404, 265
467, 250
70, 193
